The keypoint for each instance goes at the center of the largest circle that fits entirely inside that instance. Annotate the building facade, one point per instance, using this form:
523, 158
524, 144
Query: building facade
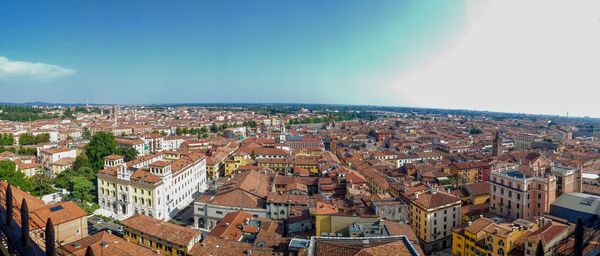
153, 185
515, 194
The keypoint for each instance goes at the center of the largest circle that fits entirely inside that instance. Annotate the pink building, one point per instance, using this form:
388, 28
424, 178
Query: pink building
514, 194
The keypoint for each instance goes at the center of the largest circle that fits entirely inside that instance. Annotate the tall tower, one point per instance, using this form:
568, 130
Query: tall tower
115, 114
497, 145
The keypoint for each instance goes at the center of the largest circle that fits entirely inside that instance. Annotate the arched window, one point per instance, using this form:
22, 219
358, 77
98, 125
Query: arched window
282, 212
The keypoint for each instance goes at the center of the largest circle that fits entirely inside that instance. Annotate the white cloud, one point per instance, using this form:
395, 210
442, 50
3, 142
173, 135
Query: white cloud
10, 69
532, 56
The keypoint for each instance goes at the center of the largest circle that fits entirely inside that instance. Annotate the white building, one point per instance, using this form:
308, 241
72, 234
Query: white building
47, 156
172, 143
153, 185
135, 143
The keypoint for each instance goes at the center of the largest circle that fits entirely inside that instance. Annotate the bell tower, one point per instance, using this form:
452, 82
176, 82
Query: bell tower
497, 145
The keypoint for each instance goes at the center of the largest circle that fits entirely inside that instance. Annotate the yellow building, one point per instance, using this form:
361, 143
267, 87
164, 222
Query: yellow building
486, 237
275, 164
286, 164
476, 193
470, 172
235, 163
214, 165
160, 236
311, 165
152, 185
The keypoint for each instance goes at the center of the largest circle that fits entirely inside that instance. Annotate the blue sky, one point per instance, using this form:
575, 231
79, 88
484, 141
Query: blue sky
474, 54
217, 51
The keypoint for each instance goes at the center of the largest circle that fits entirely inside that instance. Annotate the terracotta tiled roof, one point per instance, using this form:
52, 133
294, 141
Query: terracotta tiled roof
430, 200
477, 189
357, 247
104, 243
548, 233
212, 245
228, 227
59, 213
323, 209
64, 161
161, 229
478, 225
144, 175
113, 157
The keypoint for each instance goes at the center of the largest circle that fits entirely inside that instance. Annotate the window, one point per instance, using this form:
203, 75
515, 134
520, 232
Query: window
501, 251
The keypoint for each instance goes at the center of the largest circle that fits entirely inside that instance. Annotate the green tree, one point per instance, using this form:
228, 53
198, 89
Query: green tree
86, 134
63, 179
23, 113
7, 139
26, 151
214, 128
42, 138
475, 131
101, 145
9, 172
42, 185
203, 130
178, 131
128, 153
27, 139
68, 113
82, 189
81, 161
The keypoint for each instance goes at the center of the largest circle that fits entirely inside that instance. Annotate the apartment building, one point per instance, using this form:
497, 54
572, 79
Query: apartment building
515, 194
432, 216
152, 185
489, 237
48, 156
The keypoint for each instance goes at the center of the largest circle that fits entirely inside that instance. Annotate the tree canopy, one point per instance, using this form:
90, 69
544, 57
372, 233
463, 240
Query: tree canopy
9, 172
7, 139
30, 139
23, 113
128, 153
101, 145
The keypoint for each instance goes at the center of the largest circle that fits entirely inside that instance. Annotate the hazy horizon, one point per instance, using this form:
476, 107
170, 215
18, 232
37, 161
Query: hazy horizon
536, 57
